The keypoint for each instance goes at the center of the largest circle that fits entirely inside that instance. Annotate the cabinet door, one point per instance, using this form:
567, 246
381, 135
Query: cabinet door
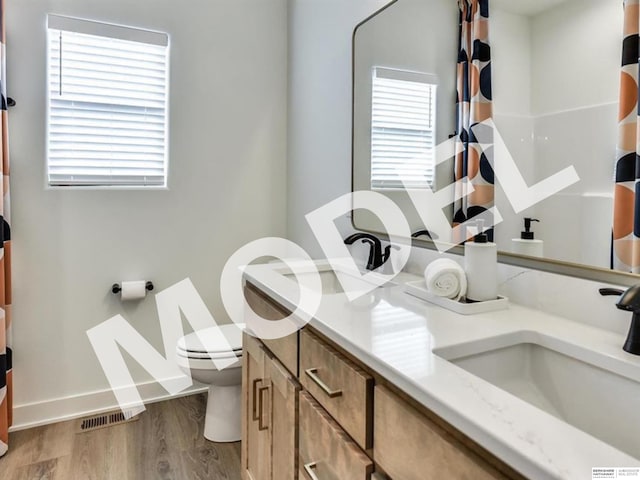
410, 446
256, 440
283, 422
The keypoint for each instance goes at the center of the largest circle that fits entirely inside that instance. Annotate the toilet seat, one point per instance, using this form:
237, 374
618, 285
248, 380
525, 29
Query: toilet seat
209, 344
208, 355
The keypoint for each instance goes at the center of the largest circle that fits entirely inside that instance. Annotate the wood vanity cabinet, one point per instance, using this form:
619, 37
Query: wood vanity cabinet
269, 415
342, 421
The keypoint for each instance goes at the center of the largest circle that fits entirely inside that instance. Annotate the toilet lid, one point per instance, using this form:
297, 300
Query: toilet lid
212, 340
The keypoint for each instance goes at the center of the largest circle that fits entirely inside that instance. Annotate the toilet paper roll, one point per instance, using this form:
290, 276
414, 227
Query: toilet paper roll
133, 290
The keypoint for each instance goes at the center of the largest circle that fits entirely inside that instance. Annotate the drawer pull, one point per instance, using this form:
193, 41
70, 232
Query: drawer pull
261, 425
312, 373
308, 469
254, 402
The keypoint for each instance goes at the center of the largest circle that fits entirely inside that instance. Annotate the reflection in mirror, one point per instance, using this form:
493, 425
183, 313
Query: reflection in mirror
556, 74
555, 84
403, 98
625, 253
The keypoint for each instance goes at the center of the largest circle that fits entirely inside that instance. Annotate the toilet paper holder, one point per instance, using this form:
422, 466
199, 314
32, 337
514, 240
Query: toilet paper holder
116, 288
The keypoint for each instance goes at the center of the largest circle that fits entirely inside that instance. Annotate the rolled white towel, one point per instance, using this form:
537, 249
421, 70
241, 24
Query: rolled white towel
445, 278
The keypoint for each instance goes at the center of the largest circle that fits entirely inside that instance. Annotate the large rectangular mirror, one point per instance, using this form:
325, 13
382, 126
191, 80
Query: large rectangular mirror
404, 76
555, 70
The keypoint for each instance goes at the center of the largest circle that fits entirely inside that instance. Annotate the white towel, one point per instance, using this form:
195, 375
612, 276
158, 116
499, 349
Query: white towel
445, 278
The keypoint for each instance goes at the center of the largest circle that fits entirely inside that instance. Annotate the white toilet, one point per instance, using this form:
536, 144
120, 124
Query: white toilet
194, 354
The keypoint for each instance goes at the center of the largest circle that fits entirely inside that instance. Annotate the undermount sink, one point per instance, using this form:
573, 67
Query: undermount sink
330, 283
563, 380
329, 279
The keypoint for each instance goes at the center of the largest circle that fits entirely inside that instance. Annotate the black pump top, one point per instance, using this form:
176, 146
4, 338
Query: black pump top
481, 236
528, 234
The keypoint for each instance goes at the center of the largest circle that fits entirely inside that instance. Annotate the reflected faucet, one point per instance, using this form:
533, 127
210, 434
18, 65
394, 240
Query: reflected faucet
426, 233
376, 256
630, 302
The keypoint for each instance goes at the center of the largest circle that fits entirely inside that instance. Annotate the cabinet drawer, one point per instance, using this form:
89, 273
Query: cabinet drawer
341, 387
326, 451
410, 446
286, 348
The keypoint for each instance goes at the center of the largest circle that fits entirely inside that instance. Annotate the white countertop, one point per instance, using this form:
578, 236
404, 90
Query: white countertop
394, 334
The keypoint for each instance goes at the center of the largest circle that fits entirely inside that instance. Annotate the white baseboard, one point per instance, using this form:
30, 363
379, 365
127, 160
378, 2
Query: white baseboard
76, 406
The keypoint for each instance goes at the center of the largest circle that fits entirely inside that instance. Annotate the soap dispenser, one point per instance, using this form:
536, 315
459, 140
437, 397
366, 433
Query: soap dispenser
527, 244
481, 267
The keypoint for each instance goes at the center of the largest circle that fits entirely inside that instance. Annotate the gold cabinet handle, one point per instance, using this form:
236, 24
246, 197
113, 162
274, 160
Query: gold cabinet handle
253, 398
312, 373
309, 470
261, 425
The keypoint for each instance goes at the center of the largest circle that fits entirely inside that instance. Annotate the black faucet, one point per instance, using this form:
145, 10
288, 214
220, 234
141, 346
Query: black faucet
376, 255
630, 302
426, 233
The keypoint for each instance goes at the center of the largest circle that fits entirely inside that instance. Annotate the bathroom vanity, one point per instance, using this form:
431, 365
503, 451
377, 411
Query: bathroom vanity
389, 386
304, 387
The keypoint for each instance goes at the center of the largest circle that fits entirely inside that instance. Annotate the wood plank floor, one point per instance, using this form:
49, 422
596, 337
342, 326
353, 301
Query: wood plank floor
165, 443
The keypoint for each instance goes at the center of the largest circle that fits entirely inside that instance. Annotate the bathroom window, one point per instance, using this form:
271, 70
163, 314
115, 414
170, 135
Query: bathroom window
107, 104
403, 129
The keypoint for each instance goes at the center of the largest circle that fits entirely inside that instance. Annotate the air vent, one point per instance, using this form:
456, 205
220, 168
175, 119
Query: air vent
109, 419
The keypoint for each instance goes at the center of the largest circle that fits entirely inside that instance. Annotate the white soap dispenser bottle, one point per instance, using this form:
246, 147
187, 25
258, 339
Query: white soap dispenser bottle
527, 243
481, 267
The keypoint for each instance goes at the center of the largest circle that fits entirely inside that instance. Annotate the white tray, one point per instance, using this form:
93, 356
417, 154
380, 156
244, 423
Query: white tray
419, 289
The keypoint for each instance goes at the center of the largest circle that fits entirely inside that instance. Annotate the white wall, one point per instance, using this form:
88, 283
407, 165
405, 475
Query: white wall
576, 53
227, 184
319, 152
556, 86
510, 38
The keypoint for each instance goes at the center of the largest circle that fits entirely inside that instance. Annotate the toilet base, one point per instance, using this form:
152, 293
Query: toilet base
222, 422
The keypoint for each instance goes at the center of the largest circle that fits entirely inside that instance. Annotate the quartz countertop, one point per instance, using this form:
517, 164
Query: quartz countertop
394, 334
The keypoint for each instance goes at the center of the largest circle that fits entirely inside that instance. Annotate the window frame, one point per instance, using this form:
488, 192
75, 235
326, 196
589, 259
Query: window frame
55, 22
408, 76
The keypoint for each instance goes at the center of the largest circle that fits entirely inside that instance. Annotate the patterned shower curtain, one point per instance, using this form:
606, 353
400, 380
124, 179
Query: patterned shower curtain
625, 255
5, 257
473, 107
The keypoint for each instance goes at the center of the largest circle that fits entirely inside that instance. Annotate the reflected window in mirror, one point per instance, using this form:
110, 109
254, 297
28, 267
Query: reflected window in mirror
403, 129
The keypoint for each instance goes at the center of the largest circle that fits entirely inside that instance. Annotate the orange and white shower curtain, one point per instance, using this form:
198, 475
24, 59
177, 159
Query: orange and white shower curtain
625, 254
5, 257
474, 106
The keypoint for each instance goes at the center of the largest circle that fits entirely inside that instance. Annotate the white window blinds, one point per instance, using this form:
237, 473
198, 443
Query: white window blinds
403, 124
107, 108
